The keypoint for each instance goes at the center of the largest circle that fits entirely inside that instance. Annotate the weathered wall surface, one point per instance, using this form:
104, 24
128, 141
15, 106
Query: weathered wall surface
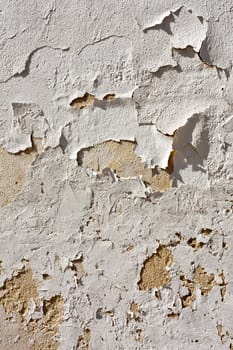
116, 196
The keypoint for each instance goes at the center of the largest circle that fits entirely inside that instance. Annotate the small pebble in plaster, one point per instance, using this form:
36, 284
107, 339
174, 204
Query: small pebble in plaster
121, 158
84, 340
13, 171
154, 272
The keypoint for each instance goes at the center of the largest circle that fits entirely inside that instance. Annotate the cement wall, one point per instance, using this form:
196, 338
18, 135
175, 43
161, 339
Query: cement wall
116, 158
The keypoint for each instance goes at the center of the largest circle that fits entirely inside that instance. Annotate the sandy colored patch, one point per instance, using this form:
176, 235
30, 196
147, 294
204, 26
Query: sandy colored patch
17, 292
202, 280
89, 100
122, 159
205, 281
83, 101
134, 307
13, 171
44, 329
84, 340
154, 272
187, 299
18, 332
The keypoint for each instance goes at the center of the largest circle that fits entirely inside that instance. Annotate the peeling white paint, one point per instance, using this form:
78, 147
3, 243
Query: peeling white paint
158, 76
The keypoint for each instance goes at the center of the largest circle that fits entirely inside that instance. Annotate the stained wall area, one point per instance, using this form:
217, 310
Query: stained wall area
116, 158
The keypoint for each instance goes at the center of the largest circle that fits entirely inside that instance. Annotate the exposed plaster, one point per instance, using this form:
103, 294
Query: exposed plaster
33, 323
120, 158
116, 201
14, 170
154, 272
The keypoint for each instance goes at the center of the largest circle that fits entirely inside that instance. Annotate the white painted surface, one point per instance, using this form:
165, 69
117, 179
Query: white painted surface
169, 65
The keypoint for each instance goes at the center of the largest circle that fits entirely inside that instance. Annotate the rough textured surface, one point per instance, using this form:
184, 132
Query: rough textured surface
116, 158
119, 159
154, 272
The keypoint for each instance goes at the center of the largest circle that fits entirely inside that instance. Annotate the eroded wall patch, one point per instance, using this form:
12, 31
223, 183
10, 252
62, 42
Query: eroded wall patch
121, 158
154, 273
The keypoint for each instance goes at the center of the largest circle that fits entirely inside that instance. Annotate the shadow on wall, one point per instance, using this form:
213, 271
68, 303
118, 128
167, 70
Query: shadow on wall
191, 145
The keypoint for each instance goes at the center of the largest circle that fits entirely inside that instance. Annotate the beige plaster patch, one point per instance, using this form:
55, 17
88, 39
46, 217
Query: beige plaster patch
134, 307
16, 293
84, 340
44, 329
202, 279
121, 158
13, 171
20, 332
154, 272
83, 101
205, 281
